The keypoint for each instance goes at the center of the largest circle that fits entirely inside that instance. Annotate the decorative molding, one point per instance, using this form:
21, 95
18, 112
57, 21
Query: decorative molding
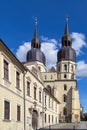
28, 78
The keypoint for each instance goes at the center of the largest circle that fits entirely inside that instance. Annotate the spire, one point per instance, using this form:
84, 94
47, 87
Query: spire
35, 32
66, 39
35, 43
66, 28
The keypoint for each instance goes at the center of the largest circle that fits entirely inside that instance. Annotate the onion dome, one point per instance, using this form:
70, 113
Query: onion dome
35, 54
66, 52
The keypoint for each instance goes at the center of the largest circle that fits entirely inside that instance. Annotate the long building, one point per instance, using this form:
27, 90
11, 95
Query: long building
32, 97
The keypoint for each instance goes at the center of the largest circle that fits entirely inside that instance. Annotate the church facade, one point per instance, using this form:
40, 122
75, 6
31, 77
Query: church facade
32, 97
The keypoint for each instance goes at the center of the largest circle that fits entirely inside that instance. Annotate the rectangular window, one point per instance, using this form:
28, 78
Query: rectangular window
45, 77
52, 118
28, 88
18, 80
39, 96
49, 102
45, 99
18, 113
52, 105
55, 119
45, 117
34, 92
6, 110
49, 118
6, 70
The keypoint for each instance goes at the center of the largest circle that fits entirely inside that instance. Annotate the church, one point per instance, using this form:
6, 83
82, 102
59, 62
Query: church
33, 97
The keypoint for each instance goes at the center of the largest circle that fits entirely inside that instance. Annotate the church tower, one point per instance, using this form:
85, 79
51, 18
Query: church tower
66, 57
35, 55
66, 86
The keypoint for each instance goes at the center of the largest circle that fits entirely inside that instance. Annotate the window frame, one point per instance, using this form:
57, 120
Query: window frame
39, 96
65, 67
35, 90
6, 69
65, 87
5, 111
28, 88
18, 80
18, 113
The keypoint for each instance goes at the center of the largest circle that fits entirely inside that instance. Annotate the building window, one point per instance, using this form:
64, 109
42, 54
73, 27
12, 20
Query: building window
72, 68
55, 119
45, 118
49, 118
65, 87
18, 113
28, 88
52, 118
64, 98
35, 93
6, 110
51, 77
45, 77
6, 70
64, 111
49, 102
65, 67
39, 96
45, 99
49, 88
17, 80
65, 76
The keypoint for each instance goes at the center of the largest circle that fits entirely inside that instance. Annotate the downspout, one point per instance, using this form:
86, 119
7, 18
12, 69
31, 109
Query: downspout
43, 108
24, 100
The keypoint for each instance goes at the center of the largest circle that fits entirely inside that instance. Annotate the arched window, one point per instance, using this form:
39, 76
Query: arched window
64, 111
65, 76
72, 68
65, 67
65, 87
64, 98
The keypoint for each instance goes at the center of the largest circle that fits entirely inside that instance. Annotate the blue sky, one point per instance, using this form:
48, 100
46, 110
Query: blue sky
17, 29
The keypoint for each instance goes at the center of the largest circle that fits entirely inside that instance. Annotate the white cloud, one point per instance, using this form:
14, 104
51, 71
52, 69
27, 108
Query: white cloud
22, 51
50, 49
78, 42
81, 69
